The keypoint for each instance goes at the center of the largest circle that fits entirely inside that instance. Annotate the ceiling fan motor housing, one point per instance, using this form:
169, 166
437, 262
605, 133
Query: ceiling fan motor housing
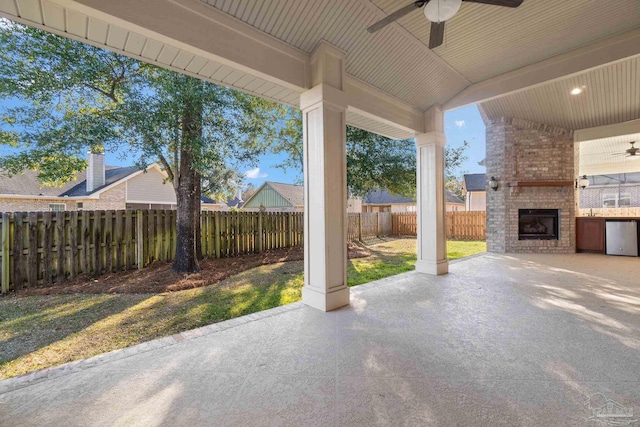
441, 10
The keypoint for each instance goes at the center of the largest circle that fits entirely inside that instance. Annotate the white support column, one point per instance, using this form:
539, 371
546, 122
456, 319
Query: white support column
325, 182
431, 203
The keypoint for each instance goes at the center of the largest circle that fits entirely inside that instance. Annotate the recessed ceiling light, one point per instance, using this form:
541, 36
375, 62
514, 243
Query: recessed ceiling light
576, 91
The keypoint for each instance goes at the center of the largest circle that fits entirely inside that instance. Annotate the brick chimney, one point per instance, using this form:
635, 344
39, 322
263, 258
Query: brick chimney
95, 171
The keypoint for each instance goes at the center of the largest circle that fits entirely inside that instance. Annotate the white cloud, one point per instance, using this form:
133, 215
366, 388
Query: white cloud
459, 124
255, 174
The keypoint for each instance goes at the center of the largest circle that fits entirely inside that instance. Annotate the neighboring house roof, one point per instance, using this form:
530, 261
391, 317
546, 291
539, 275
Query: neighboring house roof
452, 198
293, 193
235, 203
27, 184
112, 175
210, 201
383, 197
475, 181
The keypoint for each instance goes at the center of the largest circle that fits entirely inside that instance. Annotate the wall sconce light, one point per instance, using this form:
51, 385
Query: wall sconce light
582, 182
493, 183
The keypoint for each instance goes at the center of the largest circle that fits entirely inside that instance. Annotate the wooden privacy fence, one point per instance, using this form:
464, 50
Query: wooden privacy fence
44, 248
405, 224
460, 225
48, 247
368, 225
466, 225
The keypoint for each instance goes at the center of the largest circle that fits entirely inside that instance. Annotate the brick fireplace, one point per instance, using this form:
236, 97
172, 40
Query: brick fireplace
535, 167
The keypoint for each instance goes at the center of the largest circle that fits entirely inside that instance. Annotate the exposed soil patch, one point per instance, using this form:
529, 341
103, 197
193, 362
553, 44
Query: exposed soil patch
159, 277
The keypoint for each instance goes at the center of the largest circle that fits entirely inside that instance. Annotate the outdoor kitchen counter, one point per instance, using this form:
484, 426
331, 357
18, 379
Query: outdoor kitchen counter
590, 232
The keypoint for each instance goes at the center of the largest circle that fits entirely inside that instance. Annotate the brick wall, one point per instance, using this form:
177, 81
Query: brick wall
591, 197
31, 205
110, 199
517, 151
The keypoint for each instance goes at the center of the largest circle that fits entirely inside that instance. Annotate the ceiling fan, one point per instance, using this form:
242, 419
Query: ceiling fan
437, 11
630, 152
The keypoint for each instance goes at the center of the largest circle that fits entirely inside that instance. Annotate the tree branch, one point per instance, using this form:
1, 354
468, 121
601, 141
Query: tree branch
166, 165
111, 95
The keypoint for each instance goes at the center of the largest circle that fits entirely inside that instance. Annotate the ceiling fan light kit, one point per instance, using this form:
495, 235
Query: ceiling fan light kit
441, 10
437, 12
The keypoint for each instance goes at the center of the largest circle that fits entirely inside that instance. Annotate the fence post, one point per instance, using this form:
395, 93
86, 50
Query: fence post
6, 220
260, 242
139, 239
359, 226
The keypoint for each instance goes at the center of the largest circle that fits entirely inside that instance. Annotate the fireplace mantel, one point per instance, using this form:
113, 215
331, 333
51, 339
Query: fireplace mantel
541, 184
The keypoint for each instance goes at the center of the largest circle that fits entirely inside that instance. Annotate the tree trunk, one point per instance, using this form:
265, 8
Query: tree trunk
197, 215
186, 260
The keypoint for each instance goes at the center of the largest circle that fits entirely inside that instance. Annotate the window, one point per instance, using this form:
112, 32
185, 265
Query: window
79, 206
411, 208
616, 200
57, 207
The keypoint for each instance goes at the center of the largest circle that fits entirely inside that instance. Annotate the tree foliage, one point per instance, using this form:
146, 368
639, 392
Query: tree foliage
373, 161
69, 97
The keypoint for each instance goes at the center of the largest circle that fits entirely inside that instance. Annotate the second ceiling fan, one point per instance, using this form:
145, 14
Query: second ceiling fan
437, 11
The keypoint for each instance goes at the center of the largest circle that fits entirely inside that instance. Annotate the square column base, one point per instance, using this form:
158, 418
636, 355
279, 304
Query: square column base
325, 301
433, 268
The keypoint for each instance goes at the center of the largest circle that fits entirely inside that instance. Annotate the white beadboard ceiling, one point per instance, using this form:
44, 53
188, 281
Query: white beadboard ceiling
55, 18
391, 59
481, 42
602, 155
611, 94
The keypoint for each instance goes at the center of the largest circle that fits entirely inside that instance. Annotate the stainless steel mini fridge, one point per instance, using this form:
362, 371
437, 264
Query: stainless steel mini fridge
622, 238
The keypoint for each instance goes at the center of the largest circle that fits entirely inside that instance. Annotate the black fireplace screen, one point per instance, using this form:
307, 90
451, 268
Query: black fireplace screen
538, 224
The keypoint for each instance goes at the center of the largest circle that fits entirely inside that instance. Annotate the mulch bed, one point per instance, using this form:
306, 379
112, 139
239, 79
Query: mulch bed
159, 278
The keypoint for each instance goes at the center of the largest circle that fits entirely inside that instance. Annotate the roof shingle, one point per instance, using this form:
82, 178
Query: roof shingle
293, 193
475, 181
27, 184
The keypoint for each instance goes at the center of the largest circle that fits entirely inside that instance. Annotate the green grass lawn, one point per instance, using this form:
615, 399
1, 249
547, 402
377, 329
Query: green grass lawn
37, 332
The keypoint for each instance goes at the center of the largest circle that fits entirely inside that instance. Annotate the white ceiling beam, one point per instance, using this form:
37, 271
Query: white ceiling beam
609, 168
600, 132
369, 101
204, 31
598, 54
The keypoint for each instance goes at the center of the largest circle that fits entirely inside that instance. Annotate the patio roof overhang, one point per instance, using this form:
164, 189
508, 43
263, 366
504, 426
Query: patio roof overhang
517, 62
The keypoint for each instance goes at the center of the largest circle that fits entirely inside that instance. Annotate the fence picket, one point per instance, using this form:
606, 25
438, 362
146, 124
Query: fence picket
6, 257
32, 257
47, 231
73, 244
108, 237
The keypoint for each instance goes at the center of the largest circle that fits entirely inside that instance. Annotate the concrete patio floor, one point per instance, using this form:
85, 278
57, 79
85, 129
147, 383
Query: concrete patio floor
539, 340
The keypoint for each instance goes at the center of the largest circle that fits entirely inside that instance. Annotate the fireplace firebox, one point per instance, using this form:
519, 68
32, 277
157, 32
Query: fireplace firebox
538, 224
